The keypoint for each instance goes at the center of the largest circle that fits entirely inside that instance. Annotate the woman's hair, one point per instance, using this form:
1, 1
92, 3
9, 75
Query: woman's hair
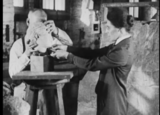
120, 18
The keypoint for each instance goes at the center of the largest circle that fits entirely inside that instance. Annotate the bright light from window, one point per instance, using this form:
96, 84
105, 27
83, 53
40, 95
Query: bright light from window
48, 4
85, 16
54, 4
131, 8
154, 11
18, 3
60, 5
134, 11
142, 90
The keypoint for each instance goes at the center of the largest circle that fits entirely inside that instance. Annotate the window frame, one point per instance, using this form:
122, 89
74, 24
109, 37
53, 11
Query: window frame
21, 10
141, 6
20, 6
55, 14
25, 5
136, 18
41, 4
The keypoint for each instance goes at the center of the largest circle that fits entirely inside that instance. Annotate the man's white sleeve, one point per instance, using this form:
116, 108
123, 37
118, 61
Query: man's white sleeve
17, 61
64, 38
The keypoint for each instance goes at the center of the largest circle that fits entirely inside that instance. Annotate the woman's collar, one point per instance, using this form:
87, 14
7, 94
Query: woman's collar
122, 38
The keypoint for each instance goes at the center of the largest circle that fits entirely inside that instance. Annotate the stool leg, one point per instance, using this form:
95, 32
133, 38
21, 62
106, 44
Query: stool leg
50, 98
33, 102
60, 99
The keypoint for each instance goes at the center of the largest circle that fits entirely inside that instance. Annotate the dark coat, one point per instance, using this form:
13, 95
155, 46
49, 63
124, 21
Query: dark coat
114, 63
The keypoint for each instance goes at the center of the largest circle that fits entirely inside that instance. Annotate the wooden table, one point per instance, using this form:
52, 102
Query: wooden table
50, 82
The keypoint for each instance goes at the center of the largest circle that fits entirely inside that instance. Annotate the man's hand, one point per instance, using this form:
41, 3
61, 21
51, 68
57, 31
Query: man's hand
58, 47
51, 27
60, 54
6, 89
58, 33
30, 47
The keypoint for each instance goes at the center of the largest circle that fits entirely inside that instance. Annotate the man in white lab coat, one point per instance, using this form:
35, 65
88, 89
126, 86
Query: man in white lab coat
23, 48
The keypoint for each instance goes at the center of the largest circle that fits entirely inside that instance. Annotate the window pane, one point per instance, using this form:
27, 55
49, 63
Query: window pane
48, 4
134, 11
60, 5
18, 3
131, 9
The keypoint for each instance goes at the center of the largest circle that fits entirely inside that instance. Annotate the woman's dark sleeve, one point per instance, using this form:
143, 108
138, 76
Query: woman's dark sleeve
87, 52
113, 59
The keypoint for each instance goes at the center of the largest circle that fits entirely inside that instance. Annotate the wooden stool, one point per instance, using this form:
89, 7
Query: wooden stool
52, 95
51, 83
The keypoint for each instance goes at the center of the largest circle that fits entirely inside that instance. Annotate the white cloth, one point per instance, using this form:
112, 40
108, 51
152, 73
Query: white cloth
43, 44
37, 33
20, 91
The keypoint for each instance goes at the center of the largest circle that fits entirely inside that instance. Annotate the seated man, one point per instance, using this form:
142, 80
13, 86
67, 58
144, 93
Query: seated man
22, 49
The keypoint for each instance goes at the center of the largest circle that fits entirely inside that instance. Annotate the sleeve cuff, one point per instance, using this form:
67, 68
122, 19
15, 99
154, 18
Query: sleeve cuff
69, 48
25, 59
70, 57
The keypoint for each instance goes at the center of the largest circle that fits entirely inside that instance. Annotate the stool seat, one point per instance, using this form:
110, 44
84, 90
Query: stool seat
45, 83
51, 83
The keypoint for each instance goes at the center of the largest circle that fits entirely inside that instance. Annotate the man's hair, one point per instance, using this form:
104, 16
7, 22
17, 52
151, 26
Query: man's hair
34, 10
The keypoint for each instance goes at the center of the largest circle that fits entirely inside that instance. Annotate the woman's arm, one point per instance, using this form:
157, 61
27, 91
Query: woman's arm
88, 53
113, 59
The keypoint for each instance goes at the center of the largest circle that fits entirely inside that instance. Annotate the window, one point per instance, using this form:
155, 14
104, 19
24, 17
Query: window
18, 3
54, 5
60, 5
48, 4
154, 12
139, 12
134, 11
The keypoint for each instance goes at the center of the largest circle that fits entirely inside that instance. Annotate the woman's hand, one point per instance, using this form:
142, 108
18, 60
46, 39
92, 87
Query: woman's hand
58, 47
60, 54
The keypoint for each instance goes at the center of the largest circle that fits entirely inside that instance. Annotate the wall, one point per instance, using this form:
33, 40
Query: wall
8, 19
143, 81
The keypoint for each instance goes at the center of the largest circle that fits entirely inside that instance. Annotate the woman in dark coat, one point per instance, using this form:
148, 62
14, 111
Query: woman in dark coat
113, 61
